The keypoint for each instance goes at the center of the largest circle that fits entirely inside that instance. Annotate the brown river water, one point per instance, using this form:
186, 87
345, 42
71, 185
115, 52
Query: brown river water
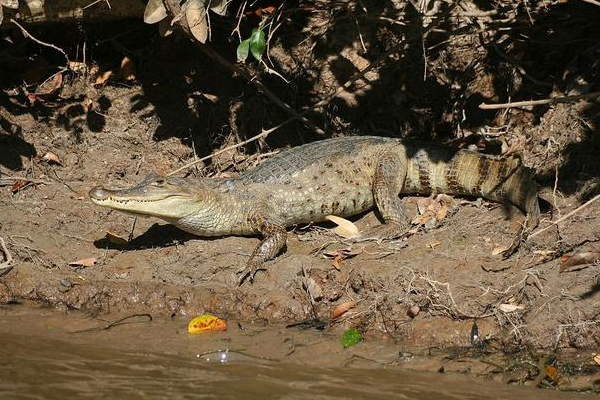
42, 358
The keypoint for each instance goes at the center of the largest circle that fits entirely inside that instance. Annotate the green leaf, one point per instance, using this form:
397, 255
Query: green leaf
351, 337
242, 50
257, 43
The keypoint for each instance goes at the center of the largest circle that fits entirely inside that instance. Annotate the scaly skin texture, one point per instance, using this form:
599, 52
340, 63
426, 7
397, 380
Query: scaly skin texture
341, 176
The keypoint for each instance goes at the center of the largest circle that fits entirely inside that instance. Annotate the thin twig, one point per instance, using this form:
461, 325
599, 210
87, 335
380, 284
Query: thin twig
575, 211
117, 322
29, 35
235, 146
564, 99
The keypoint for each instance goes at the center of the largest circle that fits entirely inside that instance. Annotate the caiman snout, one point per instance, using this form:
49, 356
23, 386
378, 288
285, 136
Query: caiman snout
99, 193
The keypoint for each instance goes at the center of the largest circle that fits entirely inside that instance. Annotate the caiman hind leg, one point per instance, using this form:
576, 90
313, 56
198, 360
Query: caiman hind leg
274, 241
390, 174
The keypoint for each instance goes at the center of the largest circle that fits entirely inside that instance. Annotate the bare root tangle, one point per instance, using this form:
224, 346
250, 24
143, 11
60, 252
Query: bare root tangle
563, 329
436, 295
6, 265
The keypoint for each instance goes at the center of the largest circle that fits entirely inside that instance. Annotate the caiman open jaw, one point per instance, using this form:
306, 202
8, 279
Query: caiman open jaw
158, 196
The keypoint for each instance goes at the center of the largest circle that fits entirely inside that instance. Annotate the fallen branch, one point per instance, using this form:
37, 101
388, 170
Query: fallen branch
5, 267
564, 99
575, 211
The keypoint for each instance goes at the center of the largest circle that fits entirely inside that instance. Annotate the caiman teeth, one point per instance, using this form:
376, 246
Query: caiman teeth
123, 201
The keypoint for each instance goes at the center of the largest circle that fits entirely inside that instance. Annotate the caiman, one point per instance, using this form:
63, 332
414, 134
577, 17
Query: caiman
339, 176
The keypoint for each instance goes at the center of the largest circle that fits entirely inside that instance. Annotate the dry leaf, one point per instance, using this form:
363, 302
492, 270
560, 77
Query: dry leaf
103, 77
583, 257
206, 323
14, 4
127, 70
48, 90
340, 255
499, 250
423, 204
116, 239
155, 12
596, 358
195, 15
551, 373
18, 185
345, 228
312, 288
219, 6
84, 262
341, 309
50, 157
510, 307
441, 212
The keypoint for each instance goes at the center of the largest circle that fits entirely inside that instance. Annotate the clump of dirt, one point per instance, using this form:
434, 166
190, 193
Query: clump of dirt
429, 70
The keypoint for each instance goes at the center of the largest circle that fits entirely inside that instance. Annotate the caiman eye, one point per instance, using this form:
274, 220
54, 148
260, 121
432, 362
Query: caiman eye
159, 182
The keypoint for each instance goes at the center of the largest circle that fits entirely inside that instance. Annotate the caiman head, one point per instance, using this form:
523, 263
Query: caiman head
160, 196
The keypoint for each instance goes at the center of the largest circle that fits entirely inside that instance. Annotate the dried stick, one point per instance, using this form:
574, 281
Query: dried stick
29, 35
564, 99
5, 266
575, 211
594, 2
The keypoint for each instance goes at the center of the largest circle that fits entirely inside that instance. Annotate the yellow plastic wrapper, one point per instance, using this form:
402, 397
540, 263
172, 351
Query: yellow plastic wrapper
207, 323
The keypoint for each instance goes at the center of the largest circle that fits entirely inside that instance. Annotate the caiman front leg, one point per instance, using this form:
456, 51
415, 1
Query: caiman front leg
274, 241
390, 173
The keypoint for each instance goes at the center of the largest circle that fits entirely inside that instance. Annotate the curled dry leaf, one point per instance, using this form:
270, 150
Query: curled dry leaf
583, 257
207, 323
195, 15
116, 239
155, 12
14, 4
596, 358
340, 255
48, 90
127, 70
342, 308
505, 307
50, 157
313, 289
84, 262
219, 6
344, 228
103, 77
499, 250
